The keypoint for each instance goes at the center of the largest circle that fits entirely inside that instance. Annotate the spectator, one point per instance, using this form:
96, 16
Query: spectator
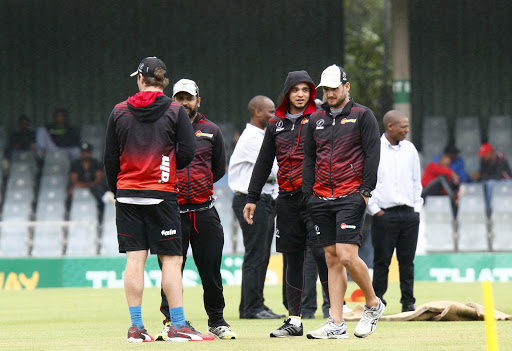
395, 207
494, 168
456, 162
257, 238
24, 138
59, 135
439, 179
87, 172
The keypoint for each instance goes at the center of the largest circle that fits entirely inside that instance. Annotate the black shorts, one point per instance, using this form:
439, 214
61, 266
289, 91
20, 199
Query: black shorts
295, 228
340, 220
153, 227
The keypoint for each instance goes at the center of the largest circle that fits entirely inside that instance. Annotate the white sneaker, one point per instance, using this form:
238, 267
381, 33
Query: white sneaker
369, 319
222, 332
162, 336
329, 330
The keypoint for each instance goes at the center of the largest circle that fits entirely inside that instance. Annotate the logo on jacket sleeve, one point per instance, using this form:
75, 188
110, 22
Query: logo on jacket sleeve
320, 124
279, 126
165, 167
200, 134
345, 120
168, 232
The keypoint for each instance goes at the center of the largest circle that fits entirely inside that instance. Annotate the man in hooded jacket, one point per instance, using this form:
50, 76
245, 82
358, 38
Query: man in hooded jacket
284, 140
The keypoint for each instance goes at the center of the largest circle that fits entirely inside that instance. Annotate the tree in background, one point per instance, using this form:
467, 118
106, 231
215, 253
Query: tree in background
367, 58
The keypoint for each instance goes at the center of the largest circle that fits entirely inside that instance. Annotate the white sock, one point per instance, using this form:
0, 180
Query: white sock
295, 321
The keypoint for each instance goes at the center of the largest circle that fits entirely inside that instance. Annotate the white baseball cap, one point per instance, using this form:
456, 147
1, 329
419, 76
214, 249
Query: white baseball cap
333, 76
186, 85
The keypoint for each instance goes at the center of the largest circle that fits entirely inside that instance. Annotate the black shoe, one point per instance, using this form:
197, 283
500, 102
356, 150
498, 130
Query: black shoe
275, 315
408, 307
260, 315
308, 315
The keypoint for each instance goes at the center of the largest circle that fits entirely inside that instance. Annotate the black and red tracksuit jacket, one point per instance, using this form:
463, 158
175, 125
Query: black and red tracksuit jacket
284, 141
195, 181
341, 153
148, 138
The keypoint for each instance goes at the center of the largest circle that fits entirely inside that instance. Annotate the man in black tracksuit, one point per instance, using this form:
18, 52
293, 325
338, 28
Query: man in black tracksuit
284, 140
200, 221
341, 157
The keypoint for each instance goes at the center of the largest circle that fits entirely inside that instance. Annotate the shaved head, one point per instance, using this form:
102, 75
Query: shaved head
392, 117
258, 102
396, 126
261, 109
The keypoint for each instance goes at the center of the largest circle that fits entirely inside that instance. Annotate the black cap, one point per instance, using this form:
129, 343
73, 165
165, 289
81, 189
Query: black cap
148, 65
85, 146
451, 149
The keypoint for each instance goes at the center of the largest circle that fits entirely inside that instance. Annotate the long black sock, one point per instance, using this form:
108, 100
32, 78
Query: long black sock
295, 281
321, 265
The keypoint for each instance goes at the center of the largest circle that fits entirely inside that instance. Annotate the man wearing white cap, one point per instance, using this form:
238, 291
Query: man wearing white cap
342, 152
200, 223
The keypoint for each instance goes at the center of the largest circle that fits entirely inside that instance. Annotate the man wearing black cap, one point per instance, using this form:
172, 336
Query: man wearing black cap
87, 172
341, 157
200, 221
148, 138
284, 140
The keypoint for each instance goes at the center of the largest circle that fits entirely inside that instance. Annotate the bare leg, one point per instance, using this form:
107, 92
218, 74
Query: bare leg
349, 257
337, 283
134, 276
171, 279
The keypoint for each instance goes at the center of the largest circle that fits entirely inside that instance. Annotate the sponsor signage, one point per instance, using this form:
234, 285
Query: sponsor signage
107, 272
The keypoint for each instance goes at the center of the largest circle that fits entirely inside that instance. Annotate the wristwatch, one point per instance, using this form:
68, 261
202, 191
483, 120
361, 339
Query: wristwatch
365, 193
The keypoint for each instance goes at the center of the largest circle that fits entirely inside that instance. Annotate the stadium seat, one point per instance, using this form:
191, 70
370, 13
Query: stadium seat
94, 134
83, 229
14, 239
499, 133
468, 139
53, 182
439, 231
24, 157
48, 237
224, 199
472, 223
501, 217
108, 243
472, 189
435, 136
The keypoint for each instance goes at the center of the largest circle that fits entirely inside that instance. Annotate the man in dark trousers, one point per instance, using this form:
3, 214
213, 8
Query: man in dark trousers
258, 237
141, 158
200, 223
341, 156
395, 206
284, 140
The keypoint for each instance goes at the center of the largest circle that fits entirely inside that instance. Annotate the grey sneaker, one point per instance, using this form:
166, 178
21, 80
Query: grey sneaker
287, 330
369, 319
329, 330
222, 332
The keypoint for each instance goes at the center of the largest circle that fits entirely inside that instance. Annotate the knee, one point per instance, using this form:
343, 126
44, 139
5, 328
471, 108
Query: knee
331, 260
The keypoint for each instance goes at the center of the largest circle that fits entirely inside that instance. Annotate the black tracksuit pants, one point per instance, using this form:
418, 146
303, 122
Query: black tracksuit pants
396, 228
203, 231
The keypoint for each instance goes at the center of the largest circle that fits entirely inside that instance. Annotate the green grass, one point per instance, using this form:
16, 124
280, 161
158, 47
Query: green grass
89, 319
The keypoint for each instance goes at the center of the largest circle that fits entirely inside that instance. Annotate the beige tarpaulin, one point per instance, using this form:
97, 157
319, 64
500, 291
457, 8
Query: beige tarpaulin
435, 311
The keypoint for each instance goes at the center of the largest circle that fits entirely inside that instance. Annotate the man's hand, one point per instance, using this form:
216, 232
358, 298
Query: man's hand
456, 179
249, 212
365, 198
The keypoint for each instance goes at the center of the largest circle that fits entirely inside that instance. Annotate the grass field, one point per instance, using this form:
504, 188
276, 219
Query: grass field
89, 319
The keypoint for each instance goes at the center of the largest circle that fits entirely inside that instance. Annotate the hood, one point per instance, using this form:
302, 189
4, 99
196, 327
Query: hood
292, 79
148, 106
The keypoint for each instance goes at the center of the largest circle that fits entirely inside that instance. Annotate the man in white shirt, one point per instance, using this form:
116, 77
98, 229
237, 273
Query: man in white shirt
395, 206
257, 237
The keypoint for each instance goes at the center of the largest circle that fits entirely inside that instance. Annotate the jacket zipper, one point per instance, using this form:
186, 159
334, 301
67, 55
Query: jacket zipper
332, 151
290, 154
